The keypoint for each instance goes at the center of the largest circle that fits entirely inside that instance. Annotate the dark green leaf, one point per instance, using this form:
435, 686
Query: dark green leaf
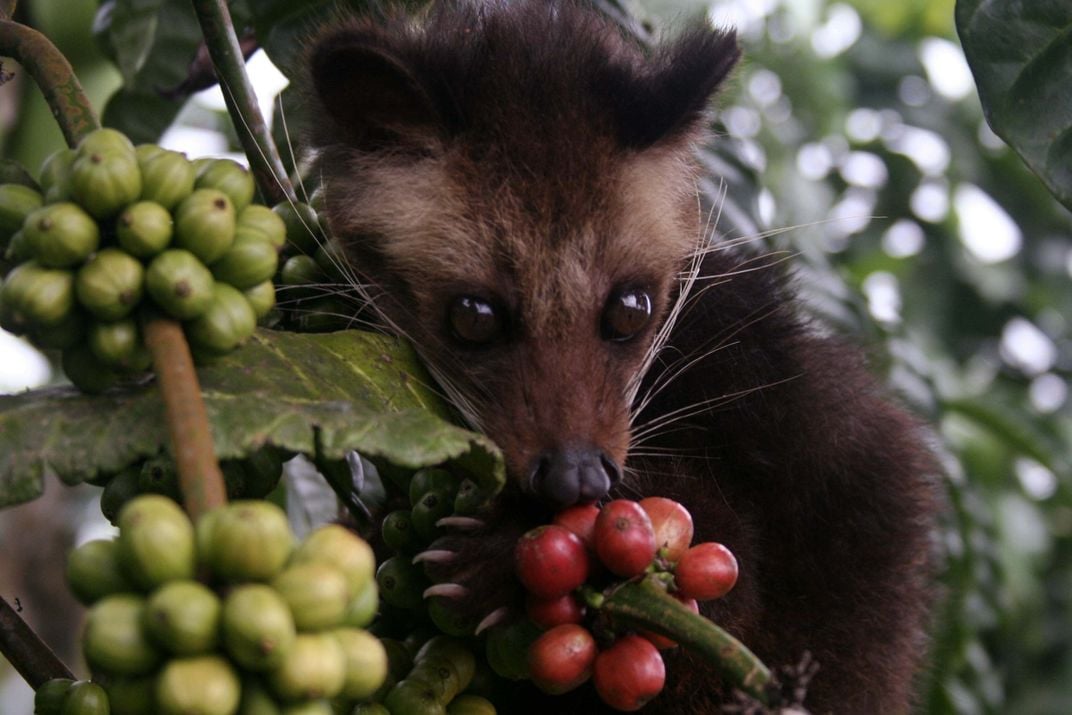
1021, 56
351, 390
12, 172
131, 30
139, 109
144, 107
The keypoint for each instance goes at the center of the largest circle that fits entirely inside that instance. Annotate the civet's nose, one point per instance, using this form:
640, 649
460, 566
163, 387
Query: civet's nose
573, 475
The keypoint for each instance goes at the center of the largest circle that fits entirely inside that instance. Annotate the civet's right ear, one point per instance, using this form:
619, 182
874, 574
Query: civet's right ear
667, 97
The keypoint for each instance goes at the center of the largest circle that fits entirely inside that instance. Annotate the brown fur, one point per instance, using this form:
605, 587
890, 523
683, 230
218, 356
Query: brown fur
528, 154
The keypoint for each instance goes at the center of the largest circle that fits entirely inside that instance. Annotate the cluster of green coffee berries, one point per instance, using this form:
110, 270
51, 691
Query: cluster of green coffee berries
432, 495
440, 678
315, 282
252, 477
272, 626
119, 231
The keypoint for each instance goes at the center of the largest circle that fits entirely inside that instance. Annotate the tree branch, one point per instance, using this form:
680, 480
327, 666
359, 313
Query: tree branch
26, 652
192, 448
223, 48
53, 74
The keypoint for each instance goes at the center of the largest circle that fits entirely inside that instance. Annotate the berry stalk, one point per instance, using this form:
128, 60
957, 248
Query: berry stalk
229, 62
200, 478
645, 605
53, 74
26, 652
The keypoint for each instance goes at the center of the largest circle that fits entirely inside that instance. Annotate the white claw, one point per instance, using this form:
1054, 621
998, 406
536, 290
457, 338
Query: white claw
435, 556
492, 619
447, 590
465, 523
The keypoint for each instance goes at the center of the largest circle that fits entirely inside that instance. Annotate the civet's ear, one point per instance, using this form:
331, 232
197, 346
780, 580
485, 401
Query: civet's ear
670, 98
368, 97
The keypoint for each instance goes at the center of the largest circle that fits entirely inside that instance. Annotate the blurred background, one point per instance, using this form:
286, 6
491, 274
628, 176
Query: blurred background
852, 138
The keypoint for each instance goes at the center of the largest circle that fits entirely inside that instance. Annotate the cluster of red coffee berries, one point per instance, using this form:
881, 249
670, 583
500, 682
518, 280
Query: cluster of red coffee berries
558, 565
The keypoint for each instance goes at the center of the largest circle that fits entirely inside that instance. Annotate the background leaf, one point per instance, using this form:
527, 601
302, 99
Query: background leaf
339, 392
1021, 56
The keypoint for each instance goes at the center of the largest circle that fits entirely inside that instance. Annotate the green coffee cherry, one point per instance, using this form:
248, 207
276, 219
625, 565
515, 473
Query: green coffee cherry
401, 583
179, 283
250, 541
145, 152
338, 546
256, 700
261, 298
167, 177
227, 322
201, 685
370, 709
411, 696
249, 261
183, 617
16, 203
19, 249
300, 271
432, 507
110, 284
434, 478
362, 608
442, 648
469, 498
316, 593
119, 345
94, 571
398, 532
56, 175
470, 705
366, 662
34, 296
103, 141
49, 696
114, 640
448, 619
85, 698
303, 229
144, 229
159, 475
231, 178
314, 667
120, 489
131, 695
156, 541
61, 235
257, 627
205, 224
325, 315
104, 182
332, 259
63, 335
263, 222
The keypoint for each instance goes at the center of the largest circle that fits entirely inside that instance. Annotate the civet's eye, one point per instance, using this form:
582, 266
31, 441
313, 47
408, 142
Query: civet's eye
474, 320
626, 314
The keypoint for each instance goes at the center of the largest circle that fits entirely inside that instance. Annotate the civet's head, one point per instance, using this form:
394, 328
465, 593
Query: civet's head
513, 183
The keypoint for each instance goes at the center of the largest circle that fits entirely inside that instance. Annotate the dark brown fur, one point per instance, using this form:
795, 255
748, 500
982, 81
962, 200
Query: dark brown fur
527, 153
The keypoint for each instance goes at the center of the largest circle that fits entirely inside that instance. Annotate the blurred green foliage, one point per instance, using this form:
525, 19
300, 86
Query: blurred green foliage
852, 137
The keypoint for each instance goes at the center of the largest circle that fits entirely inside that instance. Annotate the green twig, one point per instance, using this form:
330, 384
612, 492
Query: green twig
227, 58
53, 74
646, 605
200, 478
26, 652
